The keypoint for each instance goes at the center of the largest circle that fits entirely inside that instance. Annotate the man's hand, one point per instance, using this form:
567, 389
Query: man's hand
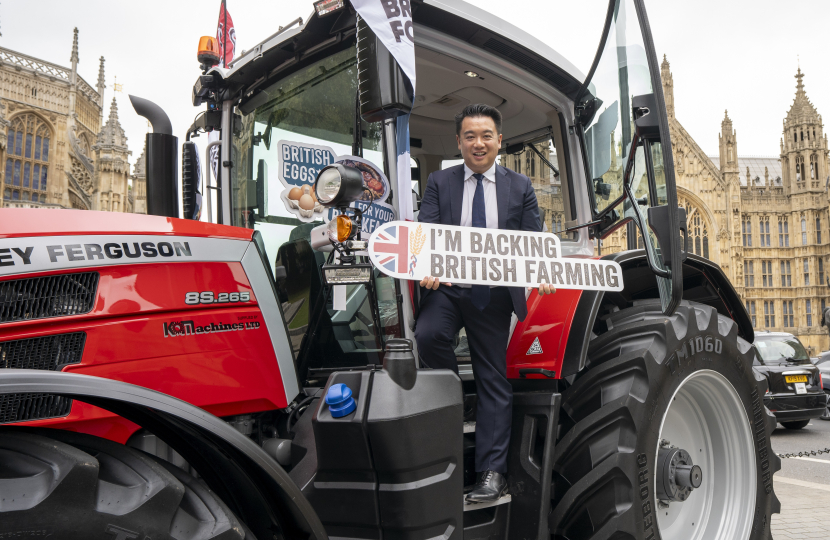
432, 283
546, 288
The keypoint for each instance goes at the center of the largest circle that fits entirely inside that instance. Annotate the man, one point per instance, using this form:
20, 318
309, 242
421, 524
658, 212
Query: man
478, 193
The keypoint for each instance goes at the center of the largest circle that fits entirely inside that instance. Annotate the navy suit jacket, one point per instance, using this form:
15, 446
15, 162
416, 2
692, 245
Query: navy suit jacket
518, 208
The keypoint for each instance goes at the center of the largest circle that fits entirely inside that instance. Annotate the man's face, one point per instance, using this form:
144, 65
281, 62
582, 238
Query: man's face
479, 143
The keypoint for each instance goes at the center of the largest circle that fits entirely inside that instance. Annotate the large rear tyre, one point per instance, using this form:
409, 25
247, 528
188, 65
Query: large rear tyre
659, 396
68, 485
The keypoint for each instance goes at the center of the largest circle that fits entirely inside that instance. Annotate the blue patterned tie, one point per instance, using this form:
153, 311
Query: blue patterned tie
479, 294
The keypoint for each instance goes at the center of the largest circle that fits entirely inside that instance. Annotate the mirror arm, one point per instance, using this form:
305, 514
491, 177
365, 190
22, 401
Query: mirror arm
543, 158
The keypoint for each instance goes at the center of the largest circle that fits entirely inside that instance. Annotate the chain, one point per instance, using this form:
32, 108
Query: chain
805, 454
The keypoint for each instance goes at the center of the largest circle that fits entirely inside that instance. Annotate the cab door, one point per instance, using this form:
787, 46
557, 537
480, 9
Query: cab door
624, 130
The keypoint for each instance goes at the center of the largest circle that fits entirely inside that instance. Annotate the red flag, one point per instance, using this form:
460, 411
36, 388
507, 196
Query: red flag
225, 35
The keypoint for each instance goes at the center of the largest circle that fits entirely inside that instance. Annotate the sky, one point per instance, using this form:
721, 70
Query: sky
738, 55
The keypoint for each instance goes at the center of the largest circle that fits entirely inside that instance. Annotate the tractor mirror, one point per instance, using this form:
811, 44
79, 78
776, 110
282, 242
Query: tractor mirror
385, 92
191, 182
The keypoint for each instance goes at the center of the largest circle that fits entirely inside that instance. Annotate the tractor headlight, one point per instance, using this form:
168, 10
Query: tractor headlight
338, 185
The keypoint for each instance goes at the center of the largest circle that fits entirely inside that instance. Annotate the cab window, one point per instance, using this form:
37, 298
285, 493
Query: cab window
313, 105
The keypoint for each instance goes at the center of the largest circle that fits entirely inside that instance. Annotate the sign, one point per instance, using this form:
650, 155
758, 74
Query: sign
391, 21
299, 164
477, 256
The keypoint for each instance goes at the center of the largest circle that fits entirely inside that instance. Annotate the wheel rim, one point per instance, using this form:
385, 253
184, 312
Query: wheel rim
706, 418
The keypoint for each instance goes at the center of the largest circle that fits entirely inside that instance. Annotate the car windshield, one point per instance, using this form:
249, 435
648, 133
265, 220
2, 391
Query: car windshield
781, 350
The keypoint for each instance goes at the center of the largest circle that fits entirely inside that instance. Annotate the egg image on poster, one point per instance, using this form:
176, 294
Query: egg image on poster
303, 200
306, 202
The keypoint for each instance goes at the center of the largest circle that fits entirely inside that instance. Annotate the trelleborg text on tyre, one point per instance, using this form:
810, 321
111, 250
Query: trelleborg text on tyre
664, 434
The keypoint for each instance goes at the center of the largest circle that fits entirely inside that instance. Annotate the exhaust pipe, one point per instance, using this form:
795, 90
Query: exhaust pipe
162, 153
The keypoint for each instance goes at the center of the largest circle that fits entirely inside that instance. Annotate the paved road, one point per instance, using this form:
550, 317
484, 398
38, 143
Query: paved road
802, 485
815, 436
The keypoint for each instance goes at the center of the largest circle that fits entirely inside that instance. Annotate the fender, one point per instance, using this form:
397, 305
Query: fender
252, 484
702, 278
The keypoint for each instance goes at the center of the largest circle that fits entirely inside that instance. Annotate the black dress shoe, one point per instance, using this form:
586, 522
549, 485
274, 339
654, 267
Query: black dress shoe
490, 487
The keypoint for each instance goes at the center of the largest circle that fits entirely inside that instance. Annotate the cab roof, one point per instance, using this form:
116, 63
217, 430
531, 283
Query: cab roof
293, 45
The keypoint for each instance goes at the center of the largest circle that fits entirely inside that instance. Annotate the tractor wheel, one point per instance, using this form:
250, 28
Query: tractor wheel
69, 485
664, 434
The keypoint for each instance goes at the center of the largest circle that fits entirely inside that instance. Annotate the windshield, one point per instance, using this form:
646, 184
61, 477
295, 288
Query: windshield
781, 350
305, 122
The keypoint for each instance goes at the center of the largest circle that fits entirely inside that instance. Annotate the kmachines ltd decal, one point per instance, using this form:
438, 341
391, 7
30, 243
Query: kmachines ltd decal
299, 164
188, 328
41, 253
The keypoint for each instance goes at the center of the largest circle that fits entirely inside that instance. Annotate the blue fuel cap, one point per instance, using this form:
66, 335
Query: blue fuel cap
340, 401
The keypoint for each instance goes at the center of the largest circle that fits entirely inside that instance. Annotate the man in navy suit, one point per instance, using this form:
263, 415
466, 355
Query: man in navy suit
478, 193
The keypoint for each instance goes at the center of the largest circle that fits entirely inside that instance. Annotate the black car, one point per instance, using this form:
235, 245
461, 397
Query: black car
795, 394
823, 364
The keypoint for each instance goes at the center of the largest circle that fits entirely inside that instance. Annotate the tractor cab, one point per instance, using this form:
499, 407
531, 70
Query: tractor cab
595, 146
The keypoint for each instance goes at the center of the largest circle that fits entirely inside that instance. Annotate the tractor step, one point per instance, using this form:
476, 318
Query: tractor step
470, 507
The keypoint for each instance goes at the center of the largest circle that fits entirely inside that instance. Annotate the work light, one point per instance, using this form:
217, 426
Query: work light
338, 185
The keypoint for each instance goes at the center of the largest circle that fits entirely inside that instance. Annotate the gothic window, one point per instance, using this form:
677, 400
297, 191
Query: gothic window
783, 232
786, 275
27, 162
806, 272
808, 310
532, 166
769, 314
813, 167
698, 228
818, 230
795, 137
765, 231
766, 272
800, 172
803, 231
820, 271
750, 308
802, 135
749, 277
788, 314
746, 230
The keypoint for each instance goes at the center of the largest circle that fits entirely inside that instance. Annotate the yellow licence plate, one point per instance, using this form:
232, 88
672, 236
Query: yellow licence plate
796, 378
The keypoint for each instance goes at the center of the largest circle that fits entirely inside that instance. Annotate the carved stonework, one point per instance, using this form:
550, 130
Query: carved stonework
81, 175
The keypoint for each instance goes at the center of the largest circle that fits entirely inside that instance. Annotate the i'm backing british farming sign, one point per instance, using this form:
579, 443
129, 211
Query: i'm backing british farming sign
477, 256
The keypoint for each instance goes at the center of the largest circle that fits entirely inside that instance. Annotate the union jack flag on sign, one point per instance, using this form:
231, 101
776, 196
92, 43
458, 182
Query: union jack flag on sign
391, 249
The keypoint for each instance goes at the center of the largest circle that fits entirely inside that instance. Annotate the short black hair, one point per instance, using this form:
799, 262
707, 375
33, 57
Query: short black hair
478, 109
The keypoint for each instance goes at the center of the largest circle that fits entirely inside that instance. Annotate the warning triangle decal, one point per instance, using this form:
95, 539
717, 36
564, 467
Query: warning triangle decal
535, 348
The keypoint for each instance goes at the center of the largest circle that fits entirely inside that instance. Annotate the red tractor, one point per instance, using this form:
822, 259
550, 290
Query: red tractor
173, 378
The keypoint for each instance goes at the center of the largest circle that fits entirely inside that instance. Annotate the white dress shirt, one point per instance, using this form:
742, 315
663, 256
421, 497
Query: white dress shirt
491, 206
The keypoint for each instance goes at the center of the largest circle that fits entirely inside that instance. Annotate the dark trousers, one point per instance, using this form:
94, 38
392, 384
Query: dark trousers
443, 313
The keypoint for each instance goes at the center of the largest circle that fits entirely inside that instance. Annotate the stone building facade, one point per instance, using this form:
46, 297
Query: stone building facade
54, 151
764, 220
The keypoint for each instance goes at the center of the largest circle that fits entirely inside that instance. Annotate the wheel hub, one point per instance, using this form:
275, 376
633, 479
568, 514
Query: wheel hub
677, 475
